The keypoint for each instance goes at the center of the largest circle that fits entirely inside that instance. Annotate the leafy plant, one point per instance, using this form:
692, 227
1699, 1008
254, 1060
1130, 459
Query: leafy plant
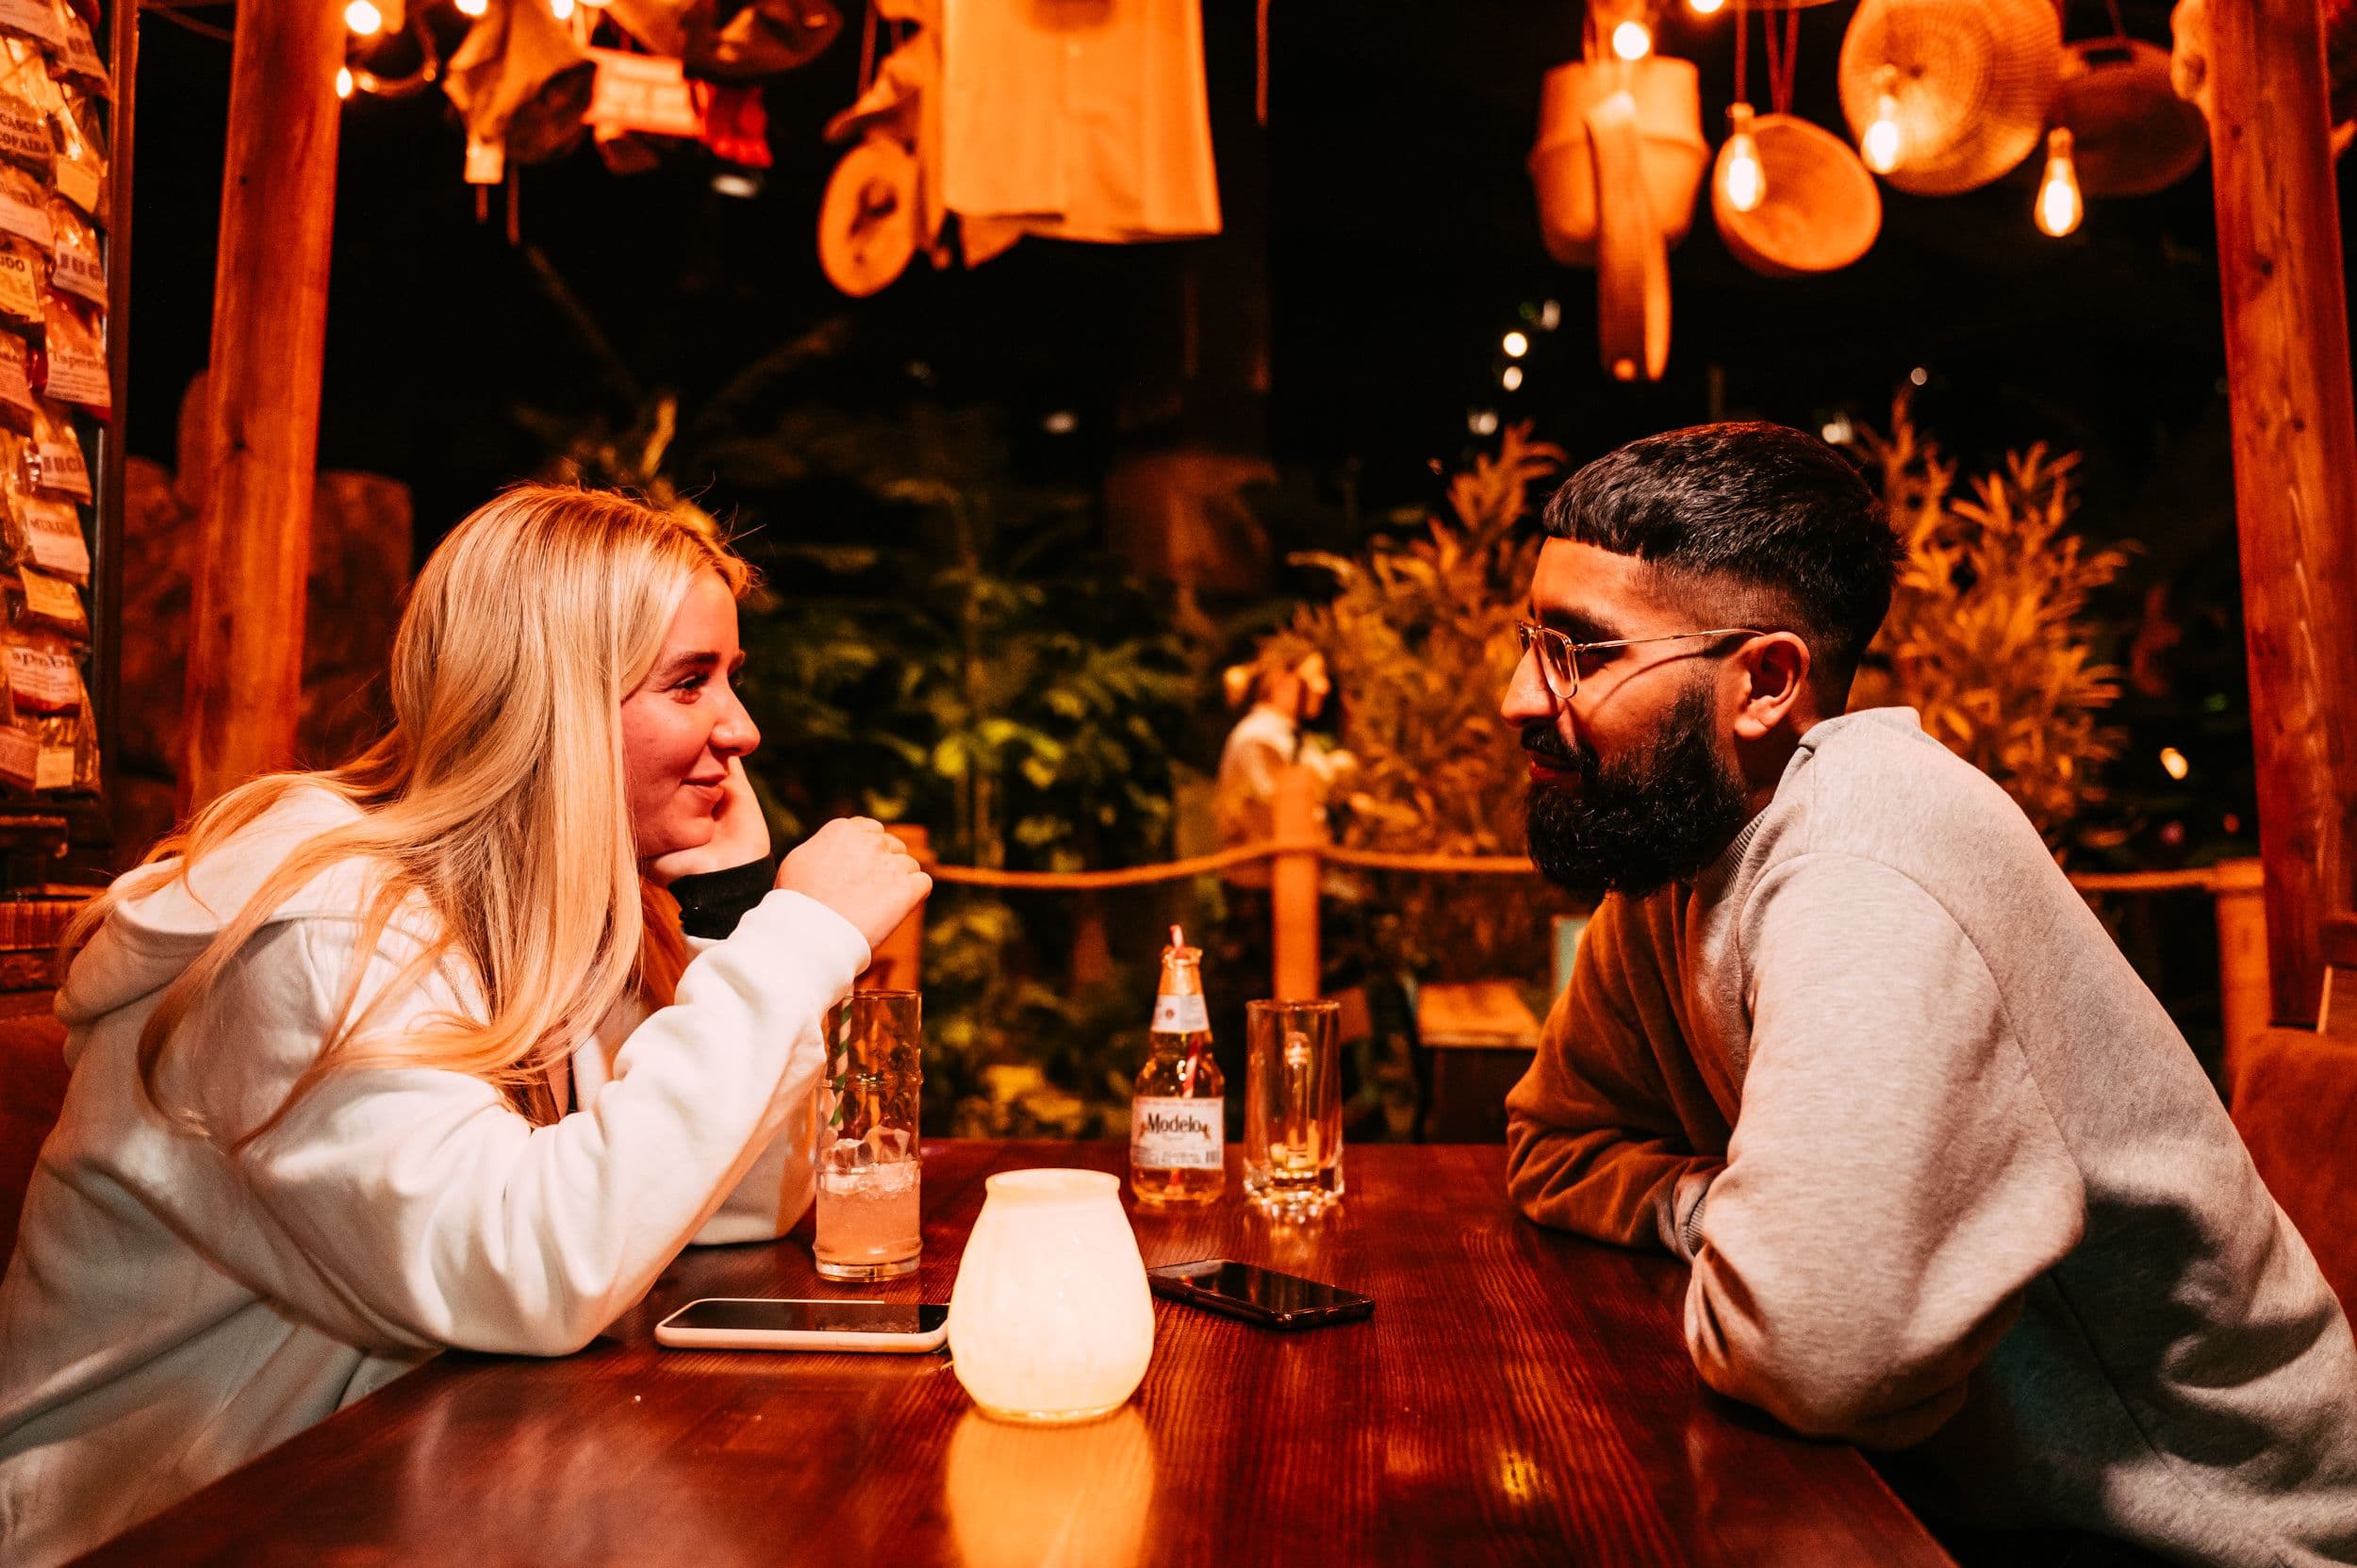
1420, 638
1989, 635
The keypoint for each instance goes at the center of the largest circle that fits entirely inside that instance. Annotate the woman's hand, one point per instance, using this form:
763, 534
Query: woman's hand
741, 838
861, 872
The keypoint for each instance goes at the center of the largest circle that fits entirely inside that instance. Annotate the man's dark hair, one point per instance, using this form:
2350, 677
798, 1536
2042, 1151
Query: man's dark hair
1760, 505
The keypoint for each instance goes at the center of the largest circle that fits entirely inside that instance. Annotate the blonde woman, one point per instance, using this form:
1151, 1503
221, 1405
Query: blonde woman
392, 1057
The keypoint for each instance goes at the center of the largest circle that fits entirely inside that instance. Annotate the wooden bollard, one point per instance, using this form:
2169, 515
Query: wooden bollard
1294, 886
2238, 895
900, 959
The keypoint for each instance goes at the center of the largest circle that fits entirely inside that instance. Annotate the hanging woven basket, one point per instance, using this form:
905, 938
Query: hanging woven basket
2131, 134
1972, 82
1819, 210
1667, 102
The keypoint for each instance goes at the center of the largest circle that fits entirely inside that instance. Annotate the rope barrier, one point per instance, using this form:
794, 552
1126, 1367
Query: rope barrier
2230, 876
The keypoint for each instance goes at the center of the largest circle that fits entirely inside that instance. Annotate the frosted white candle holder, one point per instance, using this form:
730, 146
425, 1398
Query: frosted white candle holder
1050, 1321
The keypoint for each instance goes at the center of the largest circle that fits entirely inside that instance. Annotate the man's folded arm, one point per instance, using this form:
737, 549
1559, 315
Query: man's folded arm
1894, 1184
1592, 1143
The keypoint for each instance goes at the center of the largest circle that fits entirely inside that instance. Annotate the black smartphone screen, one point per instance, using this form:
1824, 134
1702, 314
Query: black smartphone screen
1261, 1295
813, 1317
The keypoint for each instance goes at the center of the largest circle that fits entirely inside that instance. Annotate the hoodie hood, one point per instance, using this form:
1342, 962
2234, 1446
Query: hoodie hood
163, 921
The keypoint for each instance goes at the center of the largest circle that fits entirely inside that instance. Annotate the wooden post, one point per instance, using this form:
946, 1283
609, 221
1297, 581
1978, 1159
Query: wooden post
899, 963
1294, 886
2238, 893
270, 326
2294, 439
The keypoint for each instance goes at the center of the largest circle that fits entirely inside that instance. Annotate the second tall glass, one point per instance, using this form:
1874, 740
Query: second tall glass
867, 1159
1292, 1106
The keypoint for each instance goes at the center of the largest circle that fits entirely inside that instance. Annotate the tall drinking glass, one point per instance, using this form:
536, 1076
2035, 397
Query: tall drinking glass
1292, 1106
866, 1154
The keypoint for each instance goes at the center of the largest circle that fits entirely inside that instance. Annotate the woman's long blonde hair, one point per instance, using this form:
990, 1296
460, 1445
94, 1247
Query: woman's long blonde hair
497, 801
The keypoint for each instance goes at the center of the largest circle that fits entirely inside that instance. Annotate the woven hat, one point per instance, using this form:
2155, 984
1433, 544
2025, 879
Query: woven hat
1667, 101
2131, 134
867, 219
1632, 258
1973, 81
1818, 209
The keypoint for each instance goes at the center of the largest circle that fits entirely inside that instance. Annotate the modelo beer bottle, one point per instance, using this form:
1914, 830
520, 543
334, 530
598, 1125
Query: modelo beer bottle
1177, 1120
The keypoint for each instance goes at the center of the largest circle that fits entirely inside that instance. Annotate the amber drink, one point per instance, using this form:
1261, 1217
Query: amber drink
1178, 1119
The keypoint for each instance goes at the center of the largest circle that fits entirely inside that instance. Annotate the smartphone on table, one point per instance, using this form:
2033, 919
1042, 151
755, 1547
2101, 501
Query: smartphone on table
1257, 1294
752, 1322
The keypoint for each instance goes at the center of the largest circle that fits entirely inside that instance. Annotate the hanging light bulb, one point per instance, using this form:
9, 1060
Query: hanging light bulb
2059, 208
1881, 142
363, 18
472, 7
1632, 41
343, 81
1743, 179
1704, 7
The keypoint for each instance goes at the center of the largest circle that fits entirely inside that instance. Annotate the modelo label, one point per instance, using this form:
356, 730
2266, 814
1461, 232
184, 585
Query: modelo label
1180, 1014
1176, 1134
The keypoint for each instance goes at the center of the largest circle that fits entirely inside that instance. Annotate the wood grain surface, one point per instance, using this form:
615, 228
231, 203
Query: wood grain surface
1519, 1397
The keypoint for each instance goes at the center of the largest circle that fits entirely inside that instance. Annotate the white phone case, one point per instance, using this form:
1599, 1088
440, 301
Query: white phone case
669, 1334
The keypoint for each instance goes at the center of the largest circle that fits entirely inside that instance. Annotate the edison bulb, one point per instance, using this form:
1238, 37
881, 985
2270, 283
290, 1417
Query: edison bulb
343, 81
1632, 41
1743, 179
2059, 208
363, 18
1883, 144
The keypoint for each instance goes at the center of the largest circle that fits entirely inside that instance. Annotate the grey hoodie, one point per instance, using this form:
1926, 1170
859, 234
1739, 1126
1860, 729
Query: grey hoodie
1949, 1177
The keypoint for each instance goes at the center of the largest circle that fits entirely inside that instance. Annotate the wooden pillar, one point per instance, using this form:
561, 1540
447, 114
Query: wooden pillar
1294, 886
2295, 442
2238, 895
899, 962
270, 327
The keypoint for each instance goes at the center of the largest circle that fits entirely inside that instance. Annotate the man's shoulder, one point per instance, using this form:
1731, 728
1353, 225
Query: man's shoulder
1872, 788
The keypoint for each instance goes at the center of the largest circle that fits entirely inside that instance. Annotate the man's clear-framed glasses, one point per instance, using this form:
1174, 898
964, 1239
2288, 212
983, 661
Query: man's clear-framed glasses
1559, 656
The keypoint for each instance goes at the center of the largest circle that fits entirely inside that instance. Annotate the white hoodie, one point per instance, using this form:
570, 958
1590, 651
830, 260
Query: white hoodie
170, 1312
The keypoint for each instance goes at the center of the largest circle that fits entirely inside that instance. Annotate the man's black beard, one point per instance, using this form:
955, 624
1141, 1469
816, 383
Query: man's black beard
1642, 821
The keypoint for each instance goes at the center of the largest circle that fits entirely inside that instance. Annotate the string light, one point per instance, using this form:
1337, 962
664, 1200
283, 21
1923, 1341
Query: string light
472, 7
1881, 143
2173, 762
560, 9
1704, 7
1632, 41
1511, 379
1743, 179
363, 18
2059, 208
1515, 345
343, 81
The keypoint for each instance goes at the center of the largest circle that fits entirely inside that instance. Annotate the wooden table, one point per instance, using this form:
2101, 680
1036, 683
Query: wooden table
1518, 1396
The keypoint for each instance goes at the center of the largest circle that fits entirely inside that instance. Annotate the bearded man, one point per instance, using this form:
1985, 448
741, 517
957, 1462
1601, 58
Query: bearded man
1841, 1035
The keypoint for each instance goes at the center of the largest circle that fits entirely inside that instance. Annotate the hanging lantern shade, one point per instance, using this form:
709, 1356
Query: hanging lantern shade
1818, 210
2131, 134
1667, 104
1970, 83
